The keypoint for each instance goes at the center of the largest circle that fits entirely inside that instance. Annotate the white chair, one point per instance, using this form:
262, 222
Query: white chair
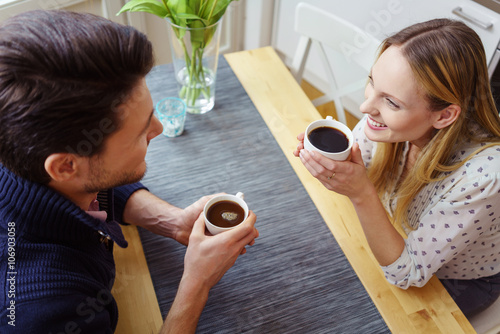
354, 51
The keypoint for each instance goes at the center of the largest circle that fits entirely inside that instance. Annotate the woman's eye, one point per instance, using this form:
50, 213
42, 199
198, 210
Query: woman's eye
370, 80
392, 104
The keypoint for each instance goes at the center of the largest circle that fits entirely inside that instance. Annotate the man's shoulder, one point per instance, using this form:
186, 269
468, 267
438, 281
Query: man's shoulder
49, 285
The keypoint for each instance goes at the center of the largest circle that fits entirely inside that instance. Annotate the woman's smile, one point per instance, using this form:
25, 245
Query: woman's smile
376, 125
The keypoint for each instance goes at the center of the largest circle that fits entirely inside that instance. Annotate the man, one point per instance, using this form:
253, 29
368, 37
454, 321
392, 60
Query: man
76, 118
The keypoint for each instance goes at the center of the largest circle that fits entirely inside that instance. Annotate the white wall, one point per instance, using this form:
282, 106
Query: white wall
380, 18
259, 16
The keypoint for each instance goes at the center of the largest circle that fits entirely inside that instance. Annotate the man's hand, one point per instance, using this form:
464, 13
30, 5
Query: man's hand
207, 259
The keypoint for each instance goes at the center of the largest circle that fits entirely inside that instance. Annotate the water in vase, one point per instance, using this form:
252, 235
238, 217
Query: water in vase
198, 92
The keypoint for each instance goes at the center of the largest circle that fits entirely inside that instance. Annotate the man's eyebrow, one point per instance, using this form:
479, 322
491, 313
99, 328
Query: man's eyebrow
148, 122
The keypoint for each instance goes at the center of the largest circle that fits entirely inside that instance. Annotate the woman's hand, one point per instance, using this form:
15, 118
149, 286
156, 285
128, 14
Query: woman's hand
349, 178
300, 146
344, 177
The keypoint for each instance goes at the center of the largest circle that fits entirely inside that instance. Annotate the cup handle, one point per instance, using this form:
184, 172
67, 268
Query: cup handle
240, 195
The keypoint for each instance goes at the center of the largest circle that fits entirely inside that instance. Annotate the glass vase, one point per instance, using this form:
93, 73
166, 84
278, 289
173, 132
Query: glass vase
195, 53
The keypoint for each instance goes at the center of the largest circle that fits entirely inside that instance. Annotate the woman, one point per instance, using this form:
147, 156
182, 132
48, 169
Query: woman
427, 158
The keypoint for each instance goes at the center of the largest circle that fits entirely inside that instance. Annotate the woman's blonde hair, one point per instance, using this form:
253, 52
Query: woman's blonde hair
448, 61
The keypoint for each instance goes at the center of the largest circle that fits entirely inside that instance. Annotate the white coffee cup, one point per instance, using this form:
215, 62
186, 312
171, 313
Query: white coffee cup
238, 199
329, 122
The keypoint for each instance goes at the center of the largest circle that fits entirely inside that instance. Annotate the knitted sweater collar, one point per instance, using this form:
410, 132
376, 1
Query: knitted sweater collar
43, 214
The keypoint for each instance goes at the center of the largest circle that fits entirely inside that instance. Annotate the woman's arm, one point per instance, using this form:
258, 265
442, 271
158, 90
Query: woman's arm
351, 180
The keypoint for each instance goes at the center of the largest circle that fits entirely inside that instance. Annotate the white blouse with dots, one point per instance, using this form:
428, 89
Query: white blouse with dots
456, 221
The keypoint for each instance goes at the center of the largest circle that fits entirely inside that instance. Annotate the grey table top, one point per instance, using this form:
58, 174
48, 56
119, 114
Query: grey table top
295, 279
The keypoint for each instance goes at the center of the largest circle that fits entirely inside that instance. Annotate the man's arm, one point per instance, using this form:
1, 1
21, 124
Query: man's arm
207, 259
150, 212
186, 309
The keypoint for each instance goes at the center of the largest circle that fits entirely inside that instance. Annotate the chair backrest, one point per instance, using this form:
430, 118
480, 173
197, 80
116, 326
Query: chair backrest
355, 47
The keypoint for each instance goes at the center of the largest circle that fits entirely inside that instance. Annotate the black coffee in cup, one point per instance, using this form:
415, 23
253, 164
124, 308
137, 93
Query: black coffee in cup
225, 214
328, 139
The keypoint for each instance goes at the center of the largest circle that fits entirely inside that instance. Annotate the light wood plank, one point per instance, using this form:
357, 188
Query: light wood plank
287, 111
138, 308
327, 109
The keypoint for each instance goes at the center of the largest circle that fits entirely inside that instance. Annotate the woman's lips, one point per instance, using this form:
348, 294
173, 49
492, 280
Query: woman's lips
375, 125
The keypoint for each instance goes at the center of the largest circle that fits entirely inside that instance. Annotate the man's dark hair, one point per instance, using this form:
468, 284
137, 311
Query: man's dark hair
62, 75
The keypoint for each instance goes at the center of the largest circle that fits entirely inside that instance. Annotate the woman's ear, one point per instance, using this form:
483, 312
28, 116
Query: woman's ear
61, 166
447, 116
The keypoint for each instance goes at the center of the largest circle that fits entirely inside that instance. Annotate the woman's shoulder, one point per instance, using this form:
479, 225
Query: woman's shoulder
484, 148
482, 159
487, 152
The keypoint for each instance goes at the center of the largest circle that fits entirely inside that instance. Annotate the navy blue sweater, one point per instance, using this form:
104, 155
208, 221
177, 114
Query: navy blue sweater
56, 270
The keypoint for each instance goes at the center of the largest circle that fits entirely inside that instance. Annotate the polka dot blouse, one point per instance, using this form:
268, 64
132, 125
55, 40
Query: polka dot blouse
456, 221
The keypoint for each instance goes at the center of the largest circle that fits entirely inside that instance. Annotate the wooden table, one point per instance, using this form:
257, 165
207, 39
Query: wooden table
287, 111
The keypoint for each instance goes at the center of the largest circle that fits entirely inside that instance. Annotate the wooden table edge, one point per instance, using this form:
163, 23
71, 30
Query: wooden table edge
133, 290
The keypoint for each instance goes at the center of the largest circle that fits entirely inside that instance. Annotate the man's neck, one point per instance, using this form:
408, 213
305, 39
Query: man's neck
80, 198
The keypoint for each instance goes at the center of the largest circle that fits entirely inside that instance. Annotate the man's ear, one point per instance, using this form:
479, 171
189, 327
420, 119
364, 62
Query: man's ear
447, 116
61, 166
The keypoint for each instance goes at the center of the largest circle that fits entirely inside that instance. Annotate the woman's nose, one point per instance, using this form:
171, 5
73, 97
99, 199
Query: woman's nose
366, 106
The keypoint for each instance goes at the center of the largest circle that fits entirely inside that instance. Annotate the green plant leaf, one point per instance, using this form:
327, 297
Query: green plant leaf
206, 8
219, 10
176, 7
195, 5
187, 16
179, 6
198, 38
148, 6
183, 13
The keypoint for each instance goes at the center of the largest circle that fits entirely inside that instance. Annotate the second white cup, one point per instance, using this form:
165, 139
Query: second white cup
225, 212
